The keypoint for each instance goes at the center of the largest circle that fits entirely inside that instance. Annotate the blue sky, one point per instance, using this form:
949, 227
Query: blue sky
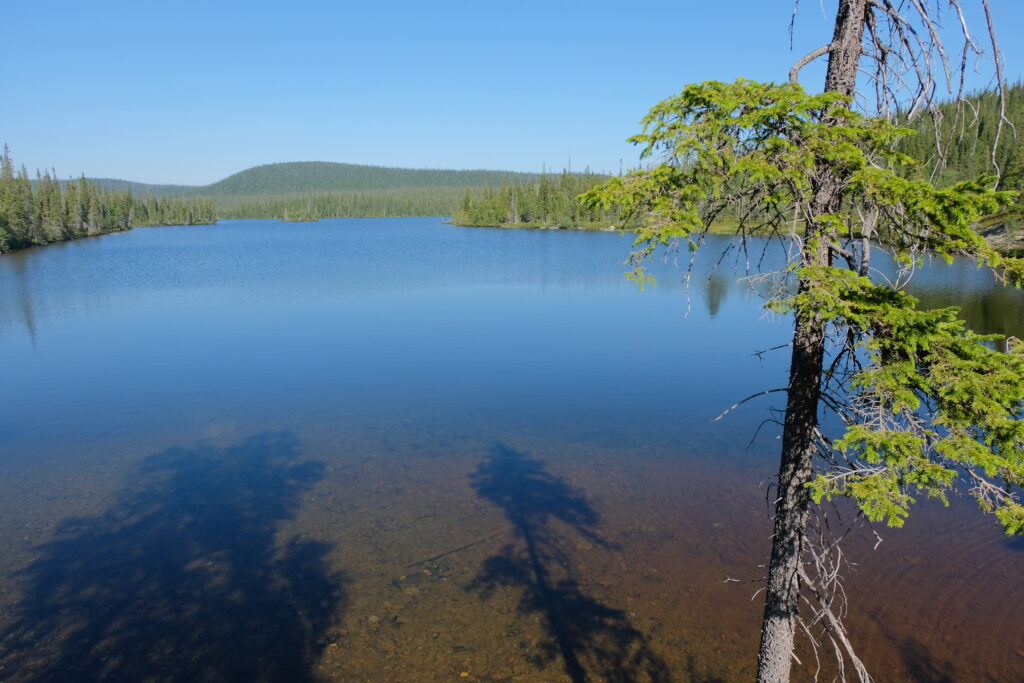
190, 92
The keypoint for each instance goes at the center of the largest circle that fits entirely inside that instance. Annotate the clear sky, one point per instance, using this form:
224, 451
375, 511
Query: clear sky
190, 92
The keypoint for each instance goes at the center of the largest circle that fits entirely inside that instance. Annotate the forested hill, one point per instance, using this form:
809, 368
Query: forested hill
967, 133
321, 177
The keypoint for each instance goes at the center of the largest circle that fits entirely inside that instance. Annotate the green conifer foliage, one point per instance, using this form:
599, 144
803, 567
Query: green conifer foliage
549, 202
49, 211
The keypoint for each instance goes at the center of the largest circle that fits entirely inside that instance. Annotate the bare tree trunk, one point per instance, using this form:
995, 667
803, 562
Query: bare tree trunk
778, 629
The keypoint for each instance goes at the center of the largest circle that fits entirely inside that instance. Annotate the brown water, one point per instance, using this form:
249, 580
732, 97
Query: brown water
208, 477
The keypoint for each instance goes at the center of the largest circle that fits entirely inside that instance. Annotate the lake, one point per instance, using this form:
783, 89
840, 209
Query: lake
392, 449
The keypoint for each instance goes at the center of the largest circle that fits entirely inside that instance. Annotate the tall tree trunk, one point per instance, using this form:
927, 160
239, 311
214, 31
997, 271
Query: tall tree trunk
778, 629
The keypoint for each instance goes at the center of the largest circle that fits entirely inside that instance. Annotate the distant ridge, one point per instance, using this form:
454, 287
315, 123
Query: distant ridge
321, 177
144, 188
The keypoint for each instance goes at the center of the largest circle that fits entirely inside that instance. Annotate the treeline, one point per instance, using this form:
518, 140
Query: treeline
966, 134
426, 201
548, 202
49, 210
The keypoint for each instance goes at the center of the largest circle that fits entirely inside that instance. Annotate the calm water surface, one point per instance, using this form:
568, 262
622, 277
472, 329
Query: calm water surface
390, 449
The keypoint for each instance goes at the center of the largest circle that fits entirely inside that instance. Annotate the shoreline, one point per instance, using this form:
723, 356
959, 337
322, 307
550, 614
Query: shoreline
101, 234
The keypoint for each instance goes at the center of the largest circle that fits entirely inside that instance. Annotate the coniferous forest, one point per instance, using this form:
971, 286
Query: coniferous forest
45, 209
551, 201
406, 201
50, 210
966, 137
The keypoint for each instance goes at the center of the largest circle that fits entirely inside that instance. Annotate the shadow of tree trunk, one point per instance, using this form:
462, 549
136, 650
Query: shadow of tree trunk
183, 578
592, 640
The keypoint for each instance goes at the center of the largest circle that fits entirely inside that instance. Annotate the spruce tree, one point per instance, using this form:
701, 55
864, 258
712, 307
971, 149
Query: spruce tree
925, 402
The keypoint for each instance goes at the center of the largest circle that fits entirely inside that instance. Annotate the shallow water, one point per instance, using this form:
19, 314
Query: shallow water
390, 449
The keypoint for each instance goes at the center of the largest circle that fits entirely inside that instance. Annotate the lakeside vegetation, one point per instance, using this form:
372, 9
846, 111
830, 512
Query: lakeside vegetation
50, 210
334, 190
46, 210
424, 201
966, 135
548, 202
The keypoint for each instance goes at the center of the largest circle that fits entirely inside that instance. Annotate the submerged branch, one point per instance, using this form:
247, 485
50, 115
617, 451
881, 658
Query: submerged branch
748, 398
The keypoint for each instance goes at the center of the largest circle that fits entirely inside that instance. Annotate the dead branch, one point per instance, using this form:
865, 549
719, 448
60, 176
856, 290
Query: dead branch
794, 72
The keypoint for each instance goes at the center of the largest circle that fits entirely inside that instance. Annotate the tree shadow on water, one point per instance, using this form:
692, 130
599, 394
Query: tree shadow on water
594, 641
183, 578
